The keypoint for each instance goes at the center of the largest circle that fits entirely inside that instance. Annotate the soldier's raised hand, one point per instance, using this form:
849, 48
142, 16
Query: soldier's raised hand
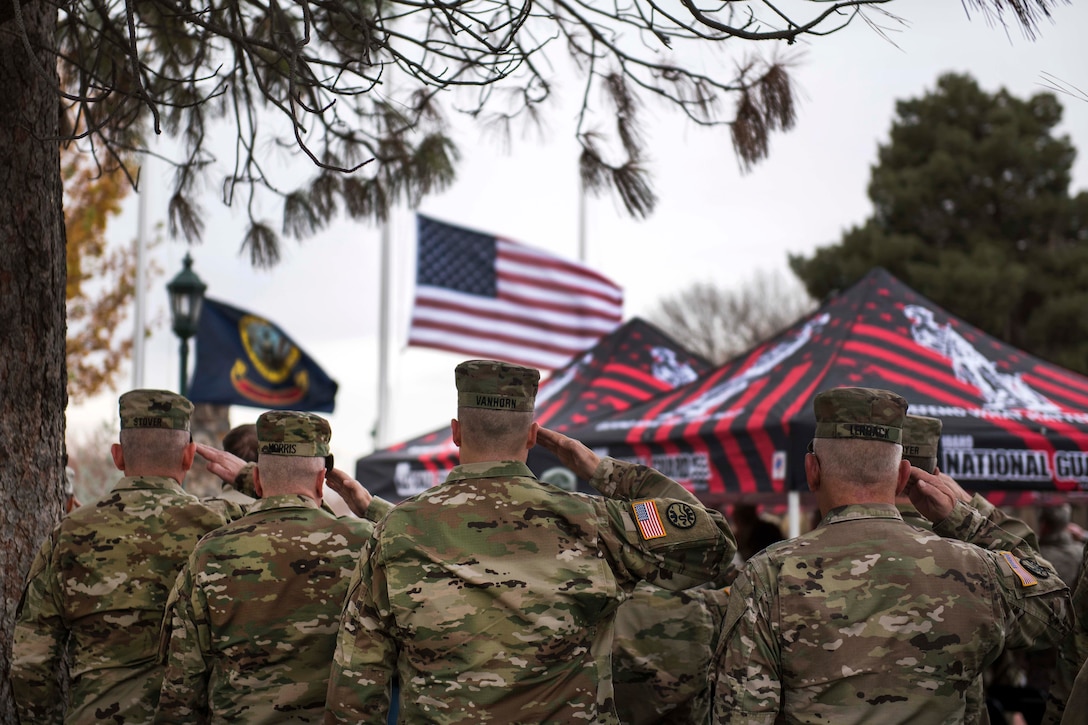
355, 494
220, 463
571, 453
934, 495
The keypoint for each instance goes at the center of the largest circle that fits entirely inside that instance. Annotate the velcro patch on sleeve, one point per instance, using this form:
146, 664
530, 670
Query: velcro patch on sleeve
648, 519
1026, 578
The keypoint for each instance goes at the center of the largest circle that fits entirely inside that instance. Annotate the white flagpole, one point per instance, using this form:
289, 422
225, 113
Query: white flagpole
382, 426
141, 277
581, 219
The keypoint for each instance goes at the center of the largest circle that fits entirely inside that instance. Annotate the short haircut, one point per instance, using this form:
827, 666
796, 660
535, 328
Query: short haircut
152, 447
498, 431
858, 461
242, 442
287, 473
1056, 517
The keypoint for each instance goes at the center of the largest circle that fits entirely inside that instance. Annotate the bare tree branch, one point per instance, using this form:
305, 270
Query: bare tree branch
361, 88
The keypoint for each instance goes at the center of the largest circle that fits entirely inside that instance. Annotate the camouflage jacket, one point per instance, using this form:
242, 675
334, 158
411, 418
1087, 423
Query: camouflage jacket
253, 619
853, 622
662, 652
95, 595
1076, 649
1003, 528
493, 595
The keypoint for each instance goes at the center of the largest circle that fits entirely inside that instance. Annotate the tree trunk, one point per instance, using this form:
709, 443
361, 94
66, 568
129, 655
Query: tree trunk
32, 316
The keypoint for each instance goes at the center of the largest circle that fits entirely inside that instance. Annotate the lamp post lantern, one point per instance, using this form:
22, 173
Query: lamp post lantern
186, 296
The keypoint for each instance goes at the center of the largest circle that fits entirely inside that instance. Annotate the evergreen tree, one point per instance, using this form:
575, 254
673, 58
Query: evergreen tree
972, 208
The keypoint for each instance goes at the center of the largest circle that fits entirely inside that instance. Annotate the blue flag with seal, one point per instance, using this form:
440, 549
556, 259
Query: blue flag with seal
243, 359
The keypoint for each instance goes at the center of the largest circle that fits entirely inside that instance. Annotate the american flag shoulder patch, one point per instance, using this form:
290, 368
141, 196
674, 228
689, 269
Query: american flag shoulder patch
1026, 579
648, 520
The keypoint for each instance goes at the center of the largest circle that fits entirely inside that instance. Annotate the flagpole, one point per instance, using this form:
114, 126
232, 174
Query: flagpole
581, 219
141, 279
381, 427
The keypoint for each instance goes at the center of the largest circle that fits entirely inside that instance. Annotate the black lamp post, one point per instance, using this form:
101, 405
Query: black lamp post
186, 295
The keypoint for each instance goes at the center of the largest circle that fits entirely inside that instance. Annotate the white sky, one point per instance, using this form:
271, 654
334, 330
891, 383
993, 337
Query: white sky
712, 222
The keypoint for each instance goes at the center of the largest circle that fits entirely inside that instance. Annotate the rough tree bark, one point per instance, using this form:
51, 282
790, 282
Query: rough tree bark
32, 267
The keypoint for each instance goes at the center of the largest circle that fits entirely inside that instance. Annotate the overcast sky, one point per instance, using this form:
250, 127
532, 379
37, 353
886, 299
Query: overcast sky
712, 223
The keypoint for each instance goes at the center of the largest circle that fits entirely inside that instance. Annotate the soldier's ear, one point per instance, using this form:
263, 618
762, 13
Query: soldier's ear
904, 477
455, 431
118, 456
188, 455
812, 472
257, 482
533, 430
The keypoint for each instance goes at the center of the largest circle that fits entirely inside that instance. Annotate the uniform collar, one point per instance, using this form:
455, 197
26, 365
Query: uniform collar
285, 501
862, 511
489, 469
149, 482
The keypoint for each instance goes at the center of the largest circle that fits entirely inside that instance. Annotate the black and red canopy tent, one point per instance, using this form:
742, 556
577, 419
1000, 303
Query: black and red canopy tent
1012, 422
634, 363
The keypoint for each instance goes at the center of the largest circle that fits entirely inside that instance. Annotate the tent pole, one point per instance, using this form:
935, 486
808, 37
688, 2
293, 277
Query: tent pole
793, 503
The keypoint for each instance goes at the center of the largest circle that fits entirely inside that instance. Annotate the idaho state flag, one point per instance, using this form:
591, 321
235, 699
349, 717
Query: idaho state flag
243, 359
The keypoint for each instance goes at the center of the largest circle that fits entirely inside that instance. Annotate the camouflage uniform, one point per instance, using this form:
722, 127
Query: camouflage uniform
867, 619
493, 595
662, 651
1075, 649
96, 591
253, 620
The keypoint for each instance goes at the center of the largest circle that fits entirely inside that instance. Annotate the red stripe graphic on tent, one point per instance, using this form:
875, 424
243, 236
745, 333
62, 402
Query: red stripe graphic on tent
728, 440
1025, 432
668, 402
617, 403
757, 423
1030, 437
1069, 381
910, 348
639, 377
944, 374
1057, 393
634, 394
543, 415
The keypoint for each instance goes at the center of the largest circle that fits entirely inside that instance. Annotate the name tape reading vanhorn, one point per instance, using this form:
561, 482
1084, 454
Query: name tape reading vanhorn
496, 401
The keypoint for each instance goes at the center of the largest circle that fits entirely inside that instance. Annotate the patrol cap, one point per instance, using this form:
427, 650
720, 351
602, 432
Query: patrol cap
154, 409
496, 385
921, 435
865, 413
290, 433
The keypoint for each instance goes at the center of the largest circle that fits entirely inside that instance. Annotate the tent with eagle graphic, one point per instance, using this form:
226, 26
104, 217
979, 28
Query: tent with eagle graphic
1012, 422
634, 363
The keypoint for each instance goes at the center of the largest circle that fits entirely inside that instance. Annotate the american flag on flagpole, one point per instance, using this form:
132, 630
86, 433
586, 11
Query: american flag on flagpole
482, 295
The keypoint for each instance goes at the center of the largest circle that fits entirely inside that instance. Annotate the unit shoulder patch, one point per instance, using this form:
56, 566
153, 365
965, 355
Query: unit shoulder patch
680, 515
1018, 568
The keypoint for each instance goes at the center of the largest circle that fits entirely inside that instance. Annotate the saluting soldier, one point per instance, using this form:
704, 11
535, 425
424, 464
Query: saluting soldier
97, 589
493, 595
868, 618
253, 621
662, 653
